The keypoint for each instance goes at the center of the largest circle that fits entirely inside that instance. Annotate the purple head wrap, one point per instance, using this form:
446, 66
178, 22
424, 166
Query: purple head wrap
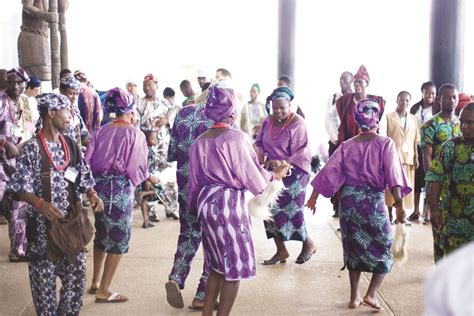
52, 101
18, 73
220, 103
69, 82
366, 114
119, 101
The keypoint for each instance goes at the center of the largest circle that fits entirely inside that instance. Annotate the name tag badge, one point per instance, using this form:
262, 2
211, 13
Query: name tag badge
71, 174
405, 148
16, 131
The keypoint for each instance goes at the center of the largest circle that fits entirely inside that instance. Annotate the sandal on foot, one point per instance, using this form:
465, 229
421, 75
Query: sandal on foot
13, 258
414, 217
154, 218
92, 290
113, 298
273, 260
172, 214
304, 256
200, 308
173, 294
148, 225
374, 304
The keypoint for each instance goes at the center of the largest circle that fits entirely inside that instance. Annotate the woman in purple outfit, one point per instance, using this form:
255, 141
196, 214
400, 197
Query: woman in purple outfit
362, 167
223, 166
117, 154
283, 139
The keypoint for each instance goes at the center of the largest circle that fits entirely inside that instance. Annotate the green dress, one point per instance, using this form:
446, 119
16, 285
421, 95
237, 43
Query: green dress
435, 132
453, 167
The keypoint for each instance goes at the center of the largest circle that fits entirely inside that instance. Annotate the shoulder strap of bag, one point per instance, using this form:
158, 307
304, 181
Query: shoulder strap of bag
46, 167
75, 155
45, 172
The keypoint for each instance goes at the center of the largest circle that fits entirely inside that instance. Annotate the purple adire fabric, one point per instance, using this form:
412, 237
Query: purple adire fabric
366, 114
17, 229
217, 178
228, 159
362, 170
118, 150
365, 229
220, 103
114, 225
292, 144
190, 122
52, 101
18, 73
71, 270
69, 82
231, 253
119, 101
288, 214
375, 162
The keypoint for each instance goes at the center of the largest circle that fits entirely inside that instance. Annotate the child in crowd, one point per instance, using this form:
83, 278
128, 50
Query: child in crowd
165, 192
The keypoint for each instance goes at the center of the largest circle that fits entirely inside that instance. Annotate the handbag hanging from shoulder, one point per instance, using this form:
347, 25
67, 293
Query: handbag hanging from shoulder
71, 234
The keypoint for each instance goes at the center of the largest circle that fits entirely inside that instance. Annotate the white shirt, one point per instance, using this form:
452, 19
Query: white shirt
449, 288
332, 121
423, 115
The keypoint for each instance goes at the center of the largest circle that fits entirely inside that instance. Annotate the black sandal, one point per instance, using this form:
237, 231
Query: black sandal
414, 217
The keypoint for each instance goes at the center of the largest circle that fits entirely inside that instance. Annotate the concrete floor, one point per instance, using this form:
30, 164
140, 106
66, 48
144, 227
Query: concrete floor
317, 287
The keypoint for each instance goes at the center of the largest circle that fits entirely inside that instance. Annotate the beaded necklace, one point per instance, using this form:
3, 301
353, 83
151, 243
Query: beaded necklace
48, 153
285, 125
10, 112
118, 121
220, 125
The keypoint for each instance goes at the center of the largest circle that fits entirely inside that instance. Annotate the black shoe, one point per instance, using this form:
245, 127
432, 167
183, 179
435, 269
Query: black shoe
148, 225
172, 214
154, 218
414, 217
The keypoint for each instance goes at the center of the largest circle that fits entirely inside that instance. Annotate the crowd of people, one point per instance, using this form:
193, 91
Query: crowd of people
113, 150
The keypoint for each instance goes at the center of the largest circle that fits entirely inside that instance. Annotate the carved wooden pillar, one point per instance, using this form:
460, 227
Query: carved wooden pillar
54, 38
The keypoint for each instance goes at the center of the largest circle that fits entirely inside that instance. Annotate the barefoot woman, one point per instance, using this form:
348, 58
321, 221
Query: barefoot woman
361, 168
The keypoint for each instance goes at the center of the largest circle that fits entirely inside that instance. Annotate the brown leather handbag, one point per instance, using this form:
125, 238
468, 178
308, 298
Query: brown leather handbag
69, 235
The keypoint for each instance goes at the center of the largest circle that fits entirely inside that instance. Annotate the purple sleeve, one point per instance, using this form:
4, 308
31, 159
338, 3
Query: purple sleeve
329, 179
246, 168
300, 153
90, 150
393, 169
137, 166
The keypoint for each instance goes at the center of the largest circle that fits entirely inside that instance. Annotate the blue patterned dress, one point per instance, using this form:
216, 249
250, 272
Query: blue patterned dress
363, 170
118, 159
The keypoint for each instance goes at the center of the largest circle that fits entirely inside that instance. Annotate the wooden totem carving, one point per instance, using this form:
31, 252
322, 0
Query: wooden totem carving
40, 52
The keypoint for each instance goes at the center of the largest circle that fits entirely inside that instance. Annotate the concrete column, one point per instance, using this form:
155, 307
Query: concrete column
447, 42
286, 38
